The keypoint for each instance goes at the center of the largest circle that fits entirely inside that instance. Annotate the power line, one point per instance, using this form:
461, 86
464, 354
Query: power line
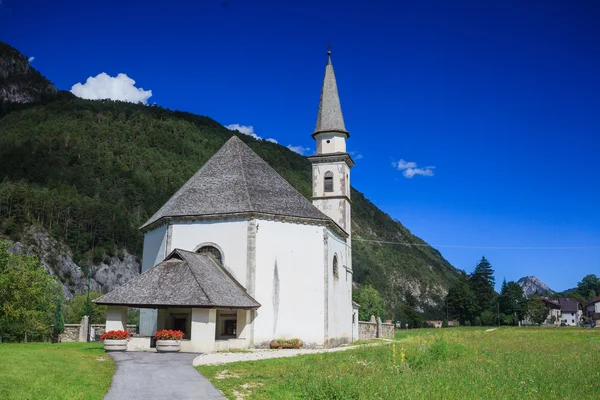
482, 247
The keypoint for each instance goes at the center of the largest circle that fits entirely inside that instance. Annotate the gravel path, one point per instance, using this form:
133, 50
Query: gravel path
255, 354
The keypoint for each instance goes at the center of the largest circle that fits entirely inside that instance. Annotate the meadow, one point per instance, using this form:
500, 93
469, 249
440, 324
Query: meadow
54, 371
454, 363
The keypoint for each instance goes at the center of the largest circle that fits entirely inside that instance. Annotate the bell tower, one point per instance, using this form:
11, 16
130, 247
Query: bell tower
331, 164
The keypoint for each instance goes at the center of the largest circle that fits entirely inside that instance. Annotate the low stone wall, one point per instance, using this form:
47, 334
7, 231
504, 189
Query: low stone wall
72, 332
374, 329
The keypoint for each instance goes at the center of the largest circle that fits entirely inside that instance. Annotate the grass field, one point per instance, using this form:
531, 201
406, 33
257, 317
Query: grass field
54, 371
456, 363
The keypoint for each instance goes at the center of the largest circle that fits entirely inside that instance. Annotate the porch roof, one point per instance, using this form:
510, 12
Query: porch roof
183, 279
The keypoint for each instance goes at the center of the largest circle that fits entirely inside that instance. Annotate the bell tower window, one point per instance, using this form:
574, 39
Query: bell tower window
328, 181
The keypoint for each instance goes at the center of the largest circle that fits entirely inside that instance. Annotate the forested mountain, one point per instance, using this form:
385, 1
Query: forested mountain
91, 172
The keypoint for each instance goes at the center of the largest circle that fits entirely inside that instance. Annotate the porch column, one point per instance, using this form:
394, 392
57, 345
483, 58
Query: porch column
116, 318
204, 323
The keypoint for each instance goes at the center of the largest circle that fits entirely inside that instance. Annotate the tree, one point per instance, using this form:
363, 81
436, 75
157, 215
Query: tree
482, 282
512, 303
59, 319
75, 309
536, 309
445, 323
461, 301
26, 291
370, 302
589, 287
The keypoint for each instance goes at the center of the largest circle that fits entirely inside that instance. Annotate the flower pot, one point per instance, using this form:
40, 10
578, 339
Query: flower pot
115, 345
168, 346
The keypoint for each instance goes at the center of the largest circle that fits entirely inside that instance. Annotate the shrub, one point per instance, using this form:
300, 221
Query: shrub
115, 335
59, 319
168, 334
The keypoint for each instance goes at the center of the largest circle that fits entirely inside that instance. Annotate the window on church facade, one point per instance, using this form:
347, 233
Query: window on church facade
211, 250
328, 179
336, 272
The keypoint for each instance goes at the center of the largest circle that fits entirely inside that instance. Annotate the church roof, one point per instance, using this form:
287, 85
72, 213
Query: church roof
182, 279
236, 181
330, 118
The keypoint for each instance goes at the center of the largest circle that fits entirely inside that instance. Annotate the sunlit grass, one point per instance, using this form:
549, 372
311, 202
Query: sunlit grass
54, 371
455, 363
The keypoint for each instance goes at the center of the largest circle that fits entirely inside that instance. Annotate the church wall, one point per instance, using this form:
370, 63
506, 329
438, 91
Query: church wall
339, 291
229, 236
155, 250
289, 283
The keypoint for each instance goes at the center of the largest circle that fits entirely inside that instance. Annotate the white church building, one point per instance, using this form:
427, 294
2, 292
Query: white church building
237, 257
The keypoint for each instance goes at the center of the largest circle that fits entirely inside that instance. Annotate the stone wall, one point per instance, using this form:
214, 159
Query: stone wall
374, 329
71, 333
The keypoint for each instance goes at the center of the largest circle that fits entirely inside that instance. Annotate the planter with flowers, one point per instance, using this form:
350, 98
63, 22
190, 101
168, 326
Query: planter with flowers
286, 343
115, 340
168, 341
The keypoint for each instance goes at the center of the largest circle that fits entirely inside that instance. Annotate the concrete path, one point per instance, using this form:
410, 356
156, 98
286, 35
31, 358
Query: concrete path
147, 376
258, 354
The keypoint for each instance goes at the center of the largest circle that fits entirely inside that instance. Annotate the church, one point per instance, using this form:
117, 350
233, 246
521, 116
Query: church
237, 257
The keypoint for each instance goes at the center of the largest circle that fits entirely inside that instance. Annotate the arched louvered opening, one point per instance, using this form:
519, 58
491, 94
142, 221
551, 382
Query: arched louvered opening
208, 249
328, 181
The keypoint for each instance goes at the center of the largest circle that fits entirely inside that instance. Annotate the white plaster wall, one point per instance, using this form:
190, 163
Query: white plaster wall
229, 236
597, 307
116, 318
298, 310
568, 318
155, 249
340, 291
337, 143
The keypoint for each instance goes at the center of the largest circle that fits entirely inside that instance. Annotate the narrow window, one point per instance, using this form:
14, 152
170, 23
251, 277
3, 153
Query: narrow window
336, 273
328, 179
211, 250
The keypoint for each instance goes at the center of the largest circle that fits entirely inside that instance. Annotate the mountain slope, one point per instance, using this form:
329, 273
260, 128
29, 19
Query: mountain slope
91, 172
532, 285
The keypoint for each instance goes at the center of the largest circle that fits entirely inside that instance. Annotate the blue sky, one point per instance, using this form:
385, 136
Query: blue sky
502, 98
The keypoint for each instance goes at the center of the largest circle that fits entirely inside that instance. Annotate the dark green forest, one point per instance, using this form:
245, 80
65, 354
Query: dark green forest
92, 172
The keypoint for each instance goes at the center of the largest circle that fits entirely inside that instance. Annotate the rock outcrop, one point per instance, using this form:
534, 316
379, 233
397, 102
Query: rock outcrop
532, 285
57, 259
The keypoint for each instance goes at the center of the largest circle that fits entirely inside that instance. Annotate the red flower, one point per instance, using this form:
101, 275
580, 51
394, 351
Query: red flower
115, 335
168, 334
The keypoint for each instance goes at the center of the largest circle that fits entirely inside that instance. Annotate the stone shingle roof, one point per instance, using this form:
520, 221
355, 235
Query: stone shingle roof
330, 118
236, 180
183, 279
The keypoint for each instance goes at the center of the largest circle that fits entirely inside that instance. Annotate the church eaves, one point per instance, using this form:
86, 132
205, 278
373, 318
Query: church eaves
236, 181
330, 118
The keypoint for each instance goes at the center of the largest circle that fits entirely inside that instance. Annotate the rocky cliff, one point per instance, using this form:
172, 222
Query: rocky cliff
532, 285
57, 259
19, 81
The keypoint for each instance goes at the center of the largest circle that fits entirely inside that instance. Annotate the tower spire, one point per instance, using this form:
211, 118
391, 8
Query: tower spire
329, 117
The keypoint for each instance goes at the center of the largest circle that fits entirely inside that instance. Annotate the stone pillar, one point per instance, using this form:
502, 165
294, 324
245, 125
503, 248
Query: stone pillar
116, 318
379, 333
84, 327
204, 323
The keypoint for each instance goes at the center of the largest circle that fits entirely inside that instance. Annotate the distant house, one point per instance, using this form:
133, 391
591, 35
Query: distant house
593, 310
552, 310
435, 323
570, 311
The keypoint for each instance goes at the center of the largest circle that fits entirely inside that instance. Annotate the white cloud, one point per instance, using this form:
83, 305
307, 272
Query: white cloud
248, 130
104, 86
410, 169
30, 59
298, 149
356, 155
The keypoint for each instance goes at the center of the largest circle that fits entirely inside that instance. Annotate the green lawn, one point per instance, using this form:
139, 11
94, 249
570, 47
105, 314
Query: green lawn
54, 371
455, 363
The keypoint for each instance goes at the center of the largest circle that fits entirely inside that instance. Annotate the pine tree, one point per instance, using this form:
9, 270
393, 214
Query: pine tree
482, 282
